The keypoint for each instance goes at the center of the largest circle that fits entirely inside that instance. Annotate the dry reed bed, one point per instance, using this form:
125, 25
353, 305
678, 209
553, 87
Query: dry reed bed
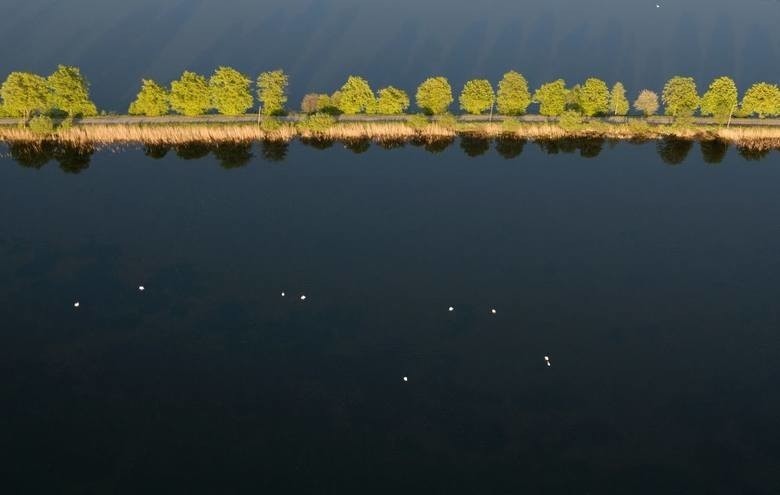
176, 134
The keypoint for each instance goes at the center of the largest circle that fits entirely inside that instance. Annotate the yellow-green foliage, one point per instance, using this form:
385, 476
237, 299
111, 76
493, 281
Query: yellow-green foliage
153, 100
434, 95
356, 96
618, 103
570, 120
477, 96
594, 97
762, 99
647, 102
309, 102
190, 95
24, 93
510, 126
391, 101
680, 97
229, 92
270, 124
69, 92
272, 91
418, 121
513, 96
552, 98
720, 100
447, 121
41, 125
317, 123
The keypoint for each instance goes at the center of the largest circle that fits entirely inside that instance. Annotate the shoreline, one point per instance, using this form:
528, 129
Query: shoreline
171, 130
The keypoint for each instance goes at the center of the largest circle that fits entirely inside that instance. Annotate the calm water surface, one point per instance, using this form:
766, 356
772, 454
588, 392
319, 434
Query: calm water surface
651, 286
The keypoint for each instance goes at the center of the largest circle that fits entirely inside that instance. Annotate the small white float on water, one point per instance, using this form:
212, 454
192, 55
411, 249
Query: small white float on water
141, 288
76, 304
547, 360
406, 378
283, 294
303, 298
493, 311
451, 308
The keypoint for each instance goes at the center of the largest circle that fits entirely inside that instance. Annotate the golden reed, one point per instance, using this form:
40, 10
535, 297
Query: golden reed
753, 137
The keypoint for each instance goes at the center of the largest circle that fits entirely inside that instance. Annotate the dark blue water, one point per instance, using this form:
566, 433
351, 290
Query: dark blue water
652, 287
321, 42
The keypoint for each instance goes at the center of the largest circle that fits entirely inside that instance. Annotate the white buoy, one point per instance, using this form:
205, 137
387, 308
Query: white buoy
493, 311
547, 360
303, 298
657, 6
76, 304
283, 294
141, 288
452, 309
406, 378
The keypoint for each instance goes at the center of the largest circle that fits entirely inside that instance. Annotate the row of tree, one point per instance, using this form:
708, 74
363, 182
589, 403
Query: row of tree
66, 91
229, 92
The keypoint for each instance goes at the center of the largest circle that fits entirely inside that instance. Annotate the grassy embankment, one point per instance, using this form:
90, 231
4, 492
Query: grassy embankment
120, 130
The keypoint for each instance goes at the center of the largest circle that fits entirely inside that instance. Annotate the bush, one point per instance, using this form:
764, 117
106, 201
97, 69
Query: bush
513, 96
447, 121
552, 98
317, 123
310, 102
42, 125
680, 97
66, 124
477, 96
418, 122
24, 93
510, 126
434, 96
570, 120
270, 124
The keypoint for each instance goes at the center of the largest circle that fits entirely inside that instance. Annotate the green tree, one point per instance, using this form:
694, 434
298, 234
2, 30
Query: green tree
190, 94
647, 102
551, 98
618, 103
477, 96
356, 96
272, 91
153, 100
594, 97
434, 95
391, 101
762, 99
720, 100
229, 91
69, 92
680, 97
24, 93
513, 95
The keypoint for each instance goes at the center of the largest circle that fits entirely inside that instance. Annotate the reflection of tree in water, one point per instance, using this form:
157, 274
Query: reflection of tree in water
32, 155
510, 147
274, 151
156, 151
588, 147
358, 146
753, 154
72, 159
193, 151
391, 144
713, 151
316, 143
438, 145
474, 146
674, 151
233, 155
